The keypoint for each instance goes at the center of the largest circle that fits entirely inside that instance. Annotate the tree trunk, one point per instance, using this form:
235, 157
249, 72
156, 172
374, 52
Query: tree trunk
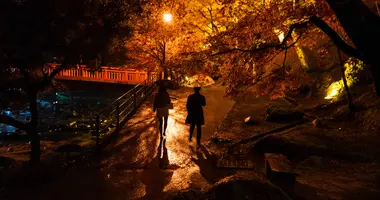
346, 88
166, 73
32, 132
363, 28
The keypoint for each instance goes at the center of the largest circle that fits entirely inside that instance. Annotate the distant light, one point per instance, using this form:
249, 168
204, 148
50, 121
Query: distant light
187, 78
168, 17
334, 90
280, 35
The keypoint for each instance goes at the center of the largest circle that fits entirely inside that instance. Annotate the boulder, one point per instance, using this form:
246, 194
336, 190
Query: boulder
250, 121
317, 123
289, 147
10, 149
283, 115
312, 161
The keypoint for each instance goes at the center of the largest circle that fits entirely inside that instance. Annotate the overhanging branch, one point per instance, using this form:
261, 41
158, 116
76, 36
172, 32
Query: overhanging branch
318, 22
335, 37
49, 78
281, 45
5, 119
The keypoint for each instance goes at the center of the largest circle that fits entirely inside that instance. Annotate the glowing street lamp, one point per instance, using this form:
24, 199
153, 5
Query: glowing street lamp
168, 17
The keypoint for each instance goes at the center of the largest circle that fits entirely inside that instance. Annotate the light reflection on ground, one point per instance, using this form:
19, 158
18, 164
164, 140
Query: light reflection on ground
174, 165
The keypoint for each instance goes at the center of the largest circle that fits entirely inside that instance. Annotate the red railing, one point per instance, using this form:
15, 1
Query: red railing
106, 74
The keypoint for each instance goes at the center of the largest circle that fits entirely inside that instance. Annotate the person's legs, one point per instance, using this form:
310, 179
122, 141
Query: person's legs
192, 127
165, 123
199, 133
160, 121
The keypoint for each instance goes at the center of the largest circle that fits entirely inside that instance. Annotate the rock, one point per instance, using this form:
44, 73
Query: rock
250, 121
10, 149
312, 161
283, 115
317, 123
289, 147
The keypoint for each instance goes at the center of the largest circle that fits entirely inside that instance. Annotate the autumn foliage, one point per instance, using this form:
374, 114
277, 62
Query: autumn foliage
266, 44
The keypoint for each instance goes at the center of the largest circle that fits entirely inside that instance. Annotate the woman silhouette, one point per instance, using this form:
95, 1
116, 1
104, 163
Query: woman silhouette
161, 107
195, 116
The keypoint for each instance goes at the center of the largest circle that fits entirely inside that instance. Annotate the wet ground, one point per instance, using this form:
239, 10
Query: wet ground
153, 167
138, 165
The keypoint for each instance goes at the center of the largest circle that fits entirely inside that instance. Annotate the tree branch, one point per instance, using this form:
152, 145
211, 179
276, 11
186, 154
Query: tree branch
49, 78
281, 45
203, 30
267, 76
203, 15
5, 119
154, 55
213, 26
283, 63
335, 37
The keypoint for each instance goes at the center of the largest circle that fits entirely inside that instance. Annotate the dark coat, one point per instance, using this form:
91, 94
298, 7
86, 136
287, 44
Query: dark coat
161, 100
194, 105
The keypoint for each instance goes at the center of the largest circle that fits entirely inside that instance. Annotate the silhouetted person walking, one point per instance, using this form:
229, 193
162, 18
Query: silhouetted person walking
195, 117
161, 107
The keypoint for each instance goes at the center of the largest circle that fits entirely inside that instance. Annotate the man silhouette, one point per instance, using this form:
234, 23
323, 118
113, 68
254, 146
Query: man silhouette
195, 117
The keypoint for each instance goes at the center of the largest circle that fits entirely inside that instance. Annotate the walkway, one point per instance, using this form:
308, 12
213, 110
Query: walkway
142, 168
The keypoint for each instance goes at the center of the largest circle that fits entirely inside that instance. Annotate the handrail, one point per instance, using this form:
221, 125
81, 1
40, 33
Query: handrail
109, 119
118, 99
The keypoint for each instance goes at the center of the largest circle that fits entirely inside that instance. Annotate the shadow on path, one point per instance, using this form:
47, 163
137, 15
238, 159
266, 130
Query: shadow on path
207, 165
135, 144
161, 174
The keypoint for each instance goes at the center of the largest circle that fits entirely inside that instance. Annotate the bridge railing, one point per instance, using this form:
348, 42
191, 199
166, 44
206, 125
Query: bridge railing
109, 120
106, 74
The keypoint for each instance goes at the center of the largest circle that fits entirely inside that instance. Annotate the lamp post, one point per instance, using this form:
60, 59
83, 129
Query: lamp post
168, 18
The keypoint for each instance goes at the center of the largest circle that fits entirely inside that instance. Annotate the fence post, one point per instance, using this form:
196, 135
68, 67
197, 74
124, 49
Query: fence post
117, 117
97, 127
